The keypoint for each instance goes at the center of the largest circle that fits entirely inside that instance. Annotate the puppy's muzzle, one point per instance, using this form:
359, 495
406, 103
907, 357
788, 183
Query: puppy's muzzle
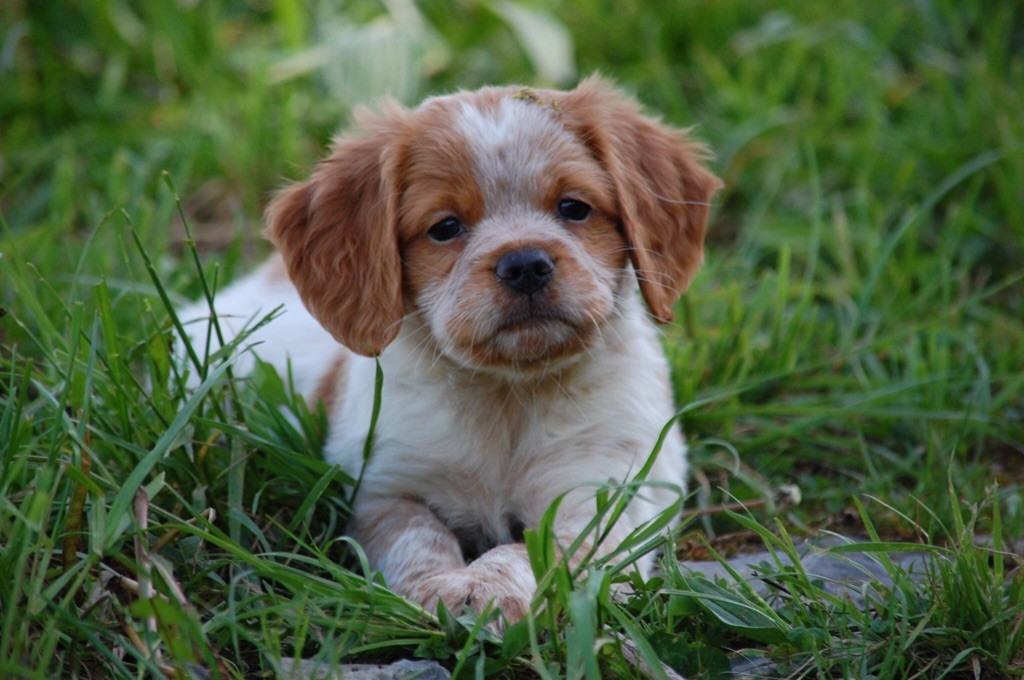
525, 270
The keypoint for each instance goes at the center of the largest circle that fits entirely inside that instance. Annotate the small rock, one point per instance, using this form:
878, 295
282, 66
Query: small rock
846, 574
849, 574
407, 669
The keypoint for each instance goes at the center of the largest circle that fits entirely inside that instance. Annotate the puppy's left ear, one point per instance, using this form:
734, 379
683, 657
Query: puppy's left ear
338, 234
663, 190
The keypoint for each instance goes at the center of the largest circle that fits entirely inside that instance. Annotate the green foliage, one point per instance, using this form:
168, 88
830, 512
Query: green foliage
856, 332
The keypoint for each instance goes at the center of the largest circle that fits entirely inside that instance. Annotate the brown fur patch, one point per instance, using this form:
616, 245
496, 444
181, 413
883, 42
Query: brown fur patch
438, 179
664, 192
332, 384
438, 183
338, 234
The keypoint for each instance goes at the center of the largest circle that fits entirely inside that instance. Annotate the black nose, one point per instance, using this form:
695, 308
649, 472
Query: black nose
525, 270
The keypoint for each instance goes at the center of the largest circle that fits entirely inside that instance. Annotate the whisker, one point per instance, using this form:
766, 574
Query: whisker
642, 275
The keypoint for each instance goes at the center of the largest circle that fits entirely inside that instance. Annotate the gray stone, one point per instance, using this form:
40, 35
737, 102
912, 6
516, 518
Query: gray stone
850, 574
407, 669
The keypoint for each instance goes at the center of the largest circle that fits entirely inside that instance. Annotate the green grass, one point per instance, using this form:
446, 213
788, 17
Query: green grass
856, 332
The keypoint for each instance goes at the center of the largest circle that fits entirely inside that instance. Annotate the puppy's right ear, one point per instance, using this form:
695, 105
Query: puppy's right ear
662, 186
338, 234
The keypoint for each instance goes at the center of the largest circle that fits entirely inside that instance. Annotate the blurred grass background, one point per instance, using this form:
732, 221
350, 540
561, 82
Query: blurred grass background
856, 330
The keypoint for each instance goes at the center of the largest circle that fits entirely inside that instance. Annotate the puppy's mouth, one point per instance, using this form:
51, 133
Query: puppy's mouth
529, 320
529, 334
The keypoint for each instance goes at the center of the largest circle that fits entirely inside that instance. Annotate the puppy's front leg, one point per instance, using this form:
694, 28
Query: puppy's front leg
406, 541
421, 559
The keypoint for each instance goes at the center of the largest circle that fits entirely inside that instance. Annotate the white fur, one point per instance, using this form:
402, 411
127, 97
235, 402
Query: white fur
507, 147
294, 341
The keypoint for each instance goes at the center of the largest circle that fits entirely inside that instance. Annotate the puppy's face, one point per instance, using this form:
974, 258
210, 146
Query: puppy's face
508, 233
498, 222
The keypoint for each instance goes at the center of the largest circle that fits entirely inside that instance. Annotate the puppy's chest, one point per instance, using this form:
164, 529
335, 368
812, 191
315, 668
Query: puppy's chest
499, 465
477, 459
483, 448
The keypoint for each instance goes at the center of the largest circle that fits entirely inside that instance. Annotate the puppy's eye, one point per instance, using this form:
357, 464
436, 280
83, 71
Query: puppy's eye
445, 230
573, 211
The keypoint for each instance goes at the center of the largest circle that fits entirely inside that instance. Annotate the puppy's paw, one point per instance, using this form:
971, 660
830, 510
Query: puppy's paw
469, 589
501, 576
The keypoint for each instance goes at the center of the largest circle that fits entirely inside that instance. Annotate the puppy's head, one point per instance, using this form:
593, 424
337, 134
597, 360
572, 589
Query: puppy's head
499, 221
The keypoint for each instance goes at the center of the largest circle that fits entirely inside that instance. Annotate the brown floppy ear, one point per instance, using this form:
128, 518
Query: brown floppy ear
338, 234
663, 190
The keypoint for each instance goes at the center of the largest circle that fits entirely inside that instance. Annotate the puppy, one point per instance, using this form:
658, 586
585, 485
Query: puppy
486, 247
